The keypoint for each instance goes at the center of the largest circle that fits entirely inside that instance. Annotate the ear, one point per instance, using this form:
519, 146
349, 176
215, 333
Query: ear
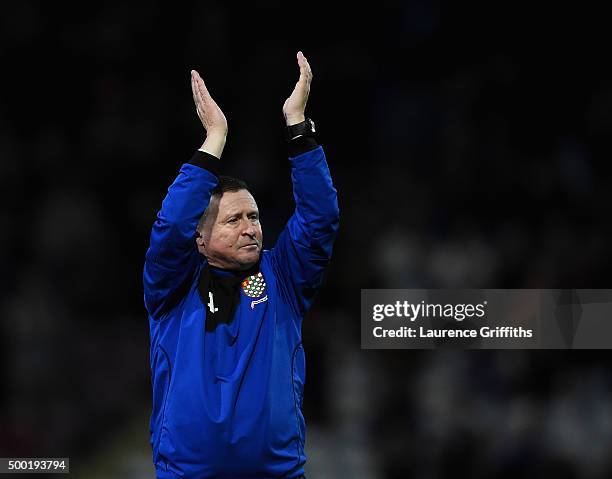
200, 239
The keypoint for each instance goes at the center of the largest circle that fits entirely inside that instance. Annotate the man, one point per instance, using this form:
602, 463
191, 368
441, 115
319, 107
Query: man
225, 317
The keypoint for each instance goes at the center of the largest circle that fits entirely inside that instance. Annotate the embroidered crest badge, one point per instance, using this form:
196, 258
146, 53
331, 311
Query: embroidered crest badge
254, 286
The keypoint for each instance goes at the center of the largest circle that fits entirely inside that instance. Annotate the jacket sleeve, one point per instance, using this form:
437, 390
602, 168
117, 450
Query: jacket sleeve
172, 257
304, 248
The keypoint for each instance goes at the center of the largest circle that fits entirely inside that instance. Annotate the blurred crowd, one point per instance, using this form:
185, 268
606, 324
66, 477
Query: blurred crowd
465, 156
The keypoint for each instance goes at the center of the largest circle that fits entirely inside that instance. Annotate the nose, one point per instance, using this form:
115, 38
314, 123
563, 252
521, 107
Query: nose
249, 231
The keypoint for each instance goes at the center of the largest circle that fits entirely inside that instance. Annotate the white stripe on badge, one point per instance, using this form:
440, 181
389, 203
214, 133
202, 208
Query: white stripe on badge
253, 303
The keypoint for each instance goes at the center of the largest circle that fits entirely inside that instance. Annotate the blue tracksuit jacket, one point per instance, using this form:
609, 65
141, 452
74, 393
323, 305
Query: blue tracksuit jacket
227, 402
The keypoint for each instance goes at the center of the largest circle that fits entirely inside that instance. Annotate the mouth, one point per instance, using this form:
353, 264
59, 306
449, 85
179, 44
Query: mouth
252, 245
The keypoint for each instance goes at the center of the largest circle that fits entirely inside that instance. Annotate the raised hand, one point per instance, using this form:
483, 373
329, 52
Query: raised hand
210, 115
295, 106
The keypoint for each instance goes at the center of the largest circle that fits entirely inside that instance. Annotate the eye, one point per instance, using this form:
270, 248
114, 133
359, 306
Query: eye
254, 217
232, 220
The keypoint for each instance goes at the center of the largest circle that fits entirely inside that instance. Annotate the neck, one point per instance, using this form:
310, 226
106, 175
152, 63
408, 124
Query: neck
214, 265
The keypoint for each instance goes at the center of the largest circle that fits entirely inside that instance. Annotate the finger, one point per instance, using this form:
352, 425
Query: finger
201, 95
203, 91
198, 89
196, 97
305, 71
194, 89
302, 86
303, 63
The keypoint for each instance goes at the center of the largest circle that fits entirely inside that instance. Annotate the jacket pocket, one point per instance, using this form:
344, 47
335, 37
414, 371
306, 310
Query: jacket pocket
298, 376
299, 372
161, 372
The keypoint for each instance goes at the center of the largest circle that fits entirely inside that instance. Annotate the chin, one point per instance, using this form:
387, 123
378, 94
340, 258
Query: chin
247, 259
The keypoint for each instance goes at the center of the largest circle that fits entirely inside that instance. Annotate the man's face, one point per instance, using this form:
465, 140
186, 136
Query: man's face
233, 238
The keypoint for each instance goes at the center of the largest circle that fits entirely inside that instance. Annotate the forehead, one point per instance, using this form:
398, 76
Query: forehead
233, 202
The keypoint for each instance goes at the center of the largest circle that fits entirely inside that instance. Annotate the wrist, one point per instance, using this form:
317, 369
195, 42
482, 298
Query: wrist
217, 134
214, 143
304, 128
295, 119
301, 137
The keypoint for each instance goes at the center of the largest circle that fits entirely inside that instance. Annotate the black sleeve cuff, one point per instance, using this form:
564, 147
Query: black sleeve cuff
301, 144
207, 161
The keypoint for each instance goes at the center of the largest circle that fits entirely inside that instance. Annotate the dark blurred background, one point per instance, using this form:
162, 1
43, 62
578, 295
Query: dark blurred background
470, 147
